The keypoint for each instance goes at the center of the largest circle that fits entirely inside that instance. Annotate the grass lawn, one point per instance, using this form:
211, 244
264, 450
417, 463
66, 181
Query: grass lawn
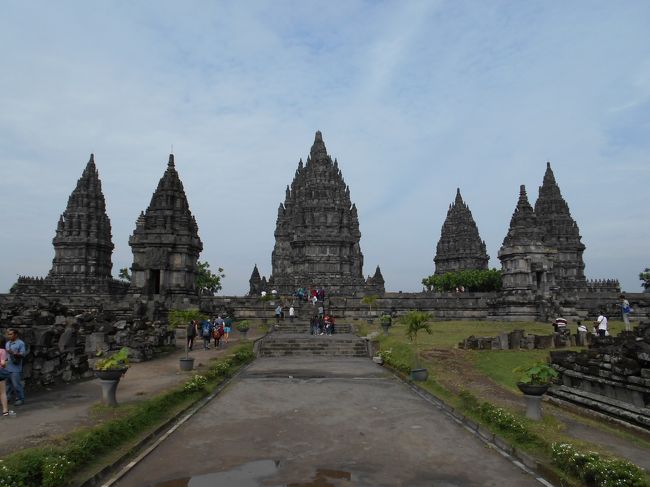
452, 370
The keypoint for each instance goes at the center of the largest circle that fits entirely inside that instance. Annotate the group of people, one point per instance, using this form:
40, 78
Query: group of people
12, 353
322, 325
312, 295
217, 329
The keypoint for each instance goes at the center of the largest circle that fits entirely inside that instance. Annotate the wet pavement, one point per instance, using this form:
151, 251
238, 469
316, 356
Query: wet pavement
322, 422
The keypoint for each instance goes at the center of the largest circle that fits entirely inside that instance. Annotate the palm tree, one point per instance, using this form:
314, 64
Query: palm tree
415, 322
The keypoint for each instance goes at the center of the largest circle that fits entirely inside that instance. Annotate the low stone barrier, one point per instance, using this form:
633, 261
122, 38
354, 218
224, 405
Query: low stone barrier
519, 339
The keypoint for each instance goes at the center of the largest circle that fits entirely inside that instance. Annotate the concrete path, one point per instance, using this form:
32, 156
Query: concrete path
50, 413
322, 422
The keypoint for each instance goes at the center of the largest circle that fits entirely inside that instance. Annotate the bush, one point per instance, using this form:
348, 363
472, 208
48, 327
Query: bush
484, 280
592, 469
195, 384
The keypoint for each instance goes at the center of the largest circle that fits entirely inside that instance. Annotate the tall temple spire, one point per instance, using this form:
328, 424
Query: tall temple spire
560, 232
460, 246
165, 242
526, 263
317, 231
83, 242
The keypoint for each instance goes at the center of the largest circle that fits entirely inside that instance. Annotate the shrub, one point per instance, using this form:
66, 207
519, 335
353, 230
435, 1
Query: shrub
195, 384
592, 469
484, 280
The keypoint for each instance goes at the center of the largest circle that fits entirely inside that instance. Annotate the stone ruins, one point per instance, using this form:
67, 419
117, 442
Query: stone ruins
79, 309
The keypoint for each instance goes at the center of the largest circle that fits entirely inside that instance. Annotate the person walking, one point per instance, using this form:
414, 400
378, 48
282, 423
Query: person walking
192, 331
278, 314
4, 375
292, 313
227, 327
206, 333
626, 310
16, 351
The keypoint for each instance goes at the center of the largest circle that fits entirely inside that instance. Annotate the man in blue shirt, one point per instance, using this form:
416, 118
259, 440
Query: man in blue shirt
16, 354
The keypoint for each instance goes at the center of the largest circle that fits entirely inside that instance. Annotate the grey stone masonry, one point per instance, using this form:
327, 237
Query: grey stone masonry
460, 246
317, 231
560, 231
82, 245
165, 242
526, 262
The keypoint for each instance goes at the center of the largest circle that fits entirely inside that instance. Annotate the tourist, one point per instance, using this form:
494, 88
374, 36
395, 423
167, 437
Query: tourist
218, 330
278, 314
321, 311
601, 321
16, 350
206, 333
559, 325
626, 310
292, 313
4, 375
582, 328
192, 331
227, 327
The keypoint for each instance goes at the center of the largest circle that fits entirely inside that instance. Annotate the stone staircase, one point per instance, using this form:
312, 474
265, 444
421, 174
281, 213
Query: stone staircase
293, 340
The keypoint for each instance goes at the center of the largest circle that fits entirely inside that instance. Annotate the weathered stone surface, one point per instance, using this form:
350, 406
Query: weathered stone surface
460, 246
317, 231
165, 242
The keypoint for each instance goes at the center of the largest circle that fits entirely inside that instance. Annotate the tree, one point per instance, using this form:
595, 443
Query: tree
478, 280
207, 282
645, 277
124, 274
415, 322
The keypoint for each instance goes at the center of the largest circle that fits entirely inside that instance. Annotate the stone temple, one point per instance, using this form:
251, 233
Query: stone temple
317, 232
460, 246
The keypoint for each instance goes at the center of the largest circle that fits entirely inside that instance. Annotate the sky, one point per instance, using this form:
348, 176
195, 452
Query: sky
414, 99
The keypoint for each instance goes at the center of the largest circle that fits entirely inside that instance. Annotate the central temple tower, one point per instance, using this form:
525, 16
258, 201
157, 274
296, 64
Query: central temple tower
317, 231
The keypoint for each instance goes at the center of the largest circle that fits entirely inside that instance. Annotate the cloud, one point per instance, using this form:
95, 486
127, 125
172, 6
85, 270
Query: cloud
414, 99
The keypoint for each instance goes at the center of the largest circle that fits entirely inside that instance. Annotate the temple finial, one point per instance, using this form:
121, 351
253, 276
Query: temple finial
171, 160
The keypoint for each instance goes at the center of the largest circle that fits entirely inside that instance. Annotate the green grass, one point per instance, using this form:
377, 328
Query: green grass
498, 365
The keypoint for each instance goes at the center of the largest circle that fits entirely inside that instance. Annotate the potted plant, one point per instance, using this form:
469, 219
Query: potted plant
113, 367
370, 300
415, 322
243, 327
536, 379
386, 321
181, 319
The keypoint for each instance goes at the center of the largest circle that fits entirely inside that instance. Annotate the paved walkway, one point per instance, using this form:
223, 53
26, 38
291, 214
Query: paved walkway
359, 410
325, 422
50, 413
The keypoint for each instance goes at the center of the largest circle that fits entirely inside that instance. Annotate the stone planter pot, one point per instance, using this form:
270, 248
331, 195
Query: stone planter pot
419, 375
110, 374
186, 364
109, 379
385, 327
533, 389
243, 334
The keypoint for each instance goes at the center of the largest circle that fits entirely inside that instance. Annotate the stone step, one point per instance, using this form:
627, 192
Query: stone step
296, 327
280, 344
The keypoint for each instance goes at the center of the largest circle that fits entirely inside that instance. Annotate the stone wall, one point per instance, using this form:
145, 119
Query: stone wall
612, 377
64, 342
519, 339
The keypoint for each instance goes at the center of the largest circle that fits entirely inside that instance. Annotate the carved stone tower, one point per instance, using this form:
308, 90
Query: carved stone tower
561, 233
165, 242
460, 246
317, 231
83, 242
526, 263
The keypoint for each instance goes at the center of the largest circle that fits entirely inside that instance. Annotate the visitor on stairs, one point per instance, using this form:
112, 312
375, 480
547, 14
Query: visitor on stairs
292, 313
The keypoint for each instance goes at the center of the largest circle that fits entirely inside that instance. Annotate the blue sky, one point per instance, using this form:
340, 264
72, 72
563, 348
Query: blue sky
414, 98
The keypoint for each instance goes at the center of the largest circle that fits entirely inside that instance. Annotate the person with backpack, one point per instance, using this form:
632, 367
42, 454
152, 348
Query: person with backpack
206, 333
16, 351
227, 328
